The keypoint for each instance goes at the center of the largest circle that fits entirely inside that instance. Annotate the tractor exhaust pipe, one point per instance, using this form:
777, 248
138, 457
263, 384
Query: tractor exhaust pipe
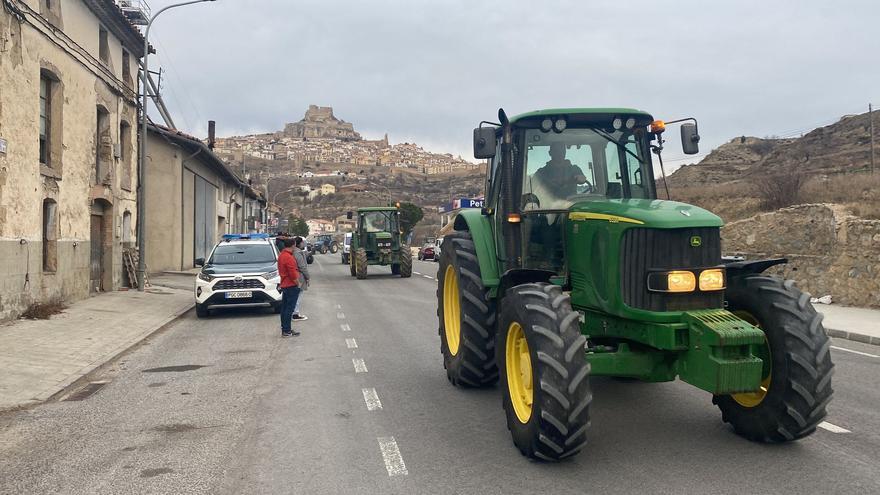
511, 238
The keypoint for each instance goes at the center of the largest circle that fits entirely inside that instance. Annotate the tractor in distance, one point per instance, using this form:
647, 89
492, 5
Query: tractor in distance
378, 240
574, 268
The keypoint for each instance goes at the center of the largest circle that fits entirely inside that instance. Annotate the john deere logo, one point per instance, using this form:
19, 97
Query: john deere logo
696, 241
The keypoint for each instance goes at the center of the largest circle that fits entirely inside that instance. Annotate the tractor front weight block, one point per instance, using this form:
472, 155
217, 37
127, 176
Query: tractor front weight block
719, 359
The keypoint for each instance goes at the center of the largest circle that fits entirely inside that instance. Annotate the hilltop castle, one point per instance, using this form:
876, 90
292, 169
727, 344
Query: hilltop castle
319, 122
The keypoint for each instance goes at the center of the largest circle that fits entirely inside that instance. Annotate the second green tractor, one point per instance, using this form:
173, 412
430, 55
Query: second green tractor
378, 240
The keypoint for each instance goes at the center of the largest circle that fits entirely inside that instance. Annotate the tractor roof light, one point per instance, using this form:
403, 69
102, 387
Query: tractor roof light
630, 123
617, 123
712, 279
658, 126
560, 125
546, 125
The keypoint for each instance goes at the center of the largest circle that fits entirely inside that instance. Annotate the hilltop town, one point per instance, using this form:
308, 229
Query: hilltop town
322, 138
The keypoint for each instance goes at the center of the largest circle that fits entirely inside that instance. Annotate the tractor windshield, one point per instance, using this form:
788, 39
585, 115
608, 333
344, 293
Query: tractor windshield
561, 169
379, 221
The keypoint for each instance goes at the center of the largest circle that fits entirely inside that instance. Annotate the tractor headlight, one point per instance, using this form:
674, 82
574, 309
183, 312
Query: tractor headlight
206, 276
712, 279
672, 281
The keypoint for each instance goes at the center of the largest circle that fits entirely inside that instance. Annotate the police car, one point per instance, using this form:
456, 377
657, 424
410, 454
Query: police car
240, 272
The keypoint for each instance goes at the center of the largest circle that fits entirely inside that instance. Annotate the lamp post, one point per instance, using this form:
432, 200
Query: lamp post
142, 155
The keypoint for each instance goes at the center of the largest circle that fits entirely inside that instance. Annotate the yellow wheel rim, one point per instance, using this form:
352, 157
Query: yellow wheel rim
451, 310
519, 372
752, 399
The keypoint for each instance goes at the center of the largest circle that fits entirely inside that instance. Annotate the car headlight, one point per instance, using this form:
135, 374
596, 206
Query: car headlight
270, 275
207, 277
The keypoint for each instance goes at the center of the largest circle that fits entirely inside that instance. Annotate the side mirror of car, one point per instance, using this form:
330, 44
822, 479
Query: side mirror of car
690, 140
484, 142
200, 262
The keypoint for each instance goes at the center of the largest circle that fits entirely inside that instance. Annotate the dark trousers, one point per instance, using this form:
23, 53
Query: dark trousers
289, 296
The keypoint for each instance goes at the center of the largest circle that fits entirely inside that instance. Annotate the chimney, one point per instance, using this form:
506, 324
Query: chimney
211, 124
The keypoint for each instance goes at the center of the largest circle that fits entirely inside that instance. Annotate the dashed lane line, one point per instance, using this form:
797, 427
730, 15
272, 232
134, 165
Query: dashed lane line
345, 327
428, 276
338, 306
359, 365
371, 398
417, 273
855, 352
391, 455
832, 428
340, 315
351, 343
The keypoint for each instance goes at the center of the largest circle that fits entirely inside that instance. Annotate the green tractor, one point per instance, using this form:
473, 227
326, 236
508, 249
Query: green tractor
575, 269
378, 240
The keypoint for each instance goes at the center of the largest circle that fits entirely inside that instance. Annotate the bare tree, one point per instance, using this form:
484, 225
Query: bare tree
777, 190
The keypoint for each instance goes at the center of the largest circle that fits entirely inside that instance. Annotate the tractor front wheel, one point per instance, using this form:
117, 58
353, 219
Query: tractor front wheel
405, 261
466, 314
797, 373
334, 248
360, 263
545, 378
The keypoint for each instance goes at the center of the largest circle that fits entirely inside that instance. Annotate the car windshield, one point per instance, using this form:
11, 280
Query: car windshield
379, 221
582, 164
233, 254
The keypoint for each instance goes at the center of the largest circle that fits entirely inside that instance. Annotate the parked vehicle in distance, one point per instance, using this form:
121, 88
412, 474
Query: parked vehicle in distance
427, 252
437, 248
346, 248
241, 271
325, 243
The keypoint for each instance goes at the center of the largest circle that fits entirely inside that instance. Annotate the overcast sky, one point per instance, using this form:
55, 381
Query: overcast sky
429, 71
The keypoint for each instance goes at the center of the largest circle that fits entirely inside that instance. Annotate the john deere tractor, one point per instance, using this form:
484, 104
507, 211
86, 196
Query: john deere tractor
574, 268
378, 240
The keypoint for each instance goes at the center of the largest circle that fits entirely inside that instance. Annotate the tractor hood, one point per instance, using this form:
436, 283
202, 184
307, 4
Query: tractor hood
651, 213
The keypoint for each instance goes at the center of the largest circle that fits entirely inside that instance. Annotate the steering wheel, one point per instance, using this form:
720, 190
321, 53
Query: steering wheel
585, 188
529, 199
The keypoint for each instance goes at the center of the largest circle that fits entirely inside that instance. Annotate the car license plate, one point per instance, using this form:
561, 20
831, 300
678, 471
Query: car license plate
239, 295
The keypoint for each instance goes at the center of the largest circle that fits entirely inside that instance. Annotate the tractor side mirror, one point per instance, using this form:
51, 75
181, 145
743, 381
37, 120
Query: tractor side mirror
349, 215
690, 140
484, 142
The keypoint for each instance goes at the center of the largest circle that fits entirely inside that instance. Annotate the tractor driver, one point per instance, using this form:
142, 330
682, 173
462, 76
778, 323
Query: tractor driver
559, 175
375, 222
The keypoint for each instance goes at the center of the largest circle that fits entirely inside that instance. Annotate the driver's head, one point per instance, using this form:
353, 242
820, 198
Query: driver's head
557, 151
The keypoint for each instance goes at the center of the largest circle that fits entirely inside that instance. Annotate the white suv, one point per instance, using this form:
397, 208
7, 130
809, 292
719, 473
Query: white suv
346, 249
241, 271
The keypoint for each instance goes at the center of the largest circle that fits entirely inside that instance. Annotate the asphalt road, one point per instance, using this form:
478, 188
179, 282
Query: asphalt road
359, 403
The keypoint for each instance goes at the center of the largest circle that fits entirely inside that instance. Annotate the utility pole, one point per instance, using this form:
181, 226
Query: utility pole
871, 119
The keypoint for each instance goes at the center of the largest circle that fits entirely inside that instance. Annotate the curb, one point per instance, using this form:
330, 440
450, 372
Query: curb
856, 337
83, 375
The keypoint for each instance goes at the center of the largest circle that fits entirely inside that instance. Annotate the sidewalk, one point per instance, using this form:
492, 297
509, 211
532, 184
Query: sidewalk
859, 324
39, 358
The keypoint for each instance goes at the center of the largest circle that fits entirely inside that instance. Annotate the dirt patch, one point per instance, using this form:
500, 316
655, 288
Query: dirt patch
43, 310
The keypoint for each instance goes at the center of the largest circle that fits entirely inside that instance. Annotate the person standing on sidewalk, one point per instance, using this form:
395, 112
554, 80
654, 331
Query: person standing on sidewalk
300, 256
289, 273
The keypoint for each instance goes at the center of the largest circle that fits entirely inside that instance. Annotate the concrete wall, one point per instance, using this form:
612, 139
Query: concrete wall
830, 251
84, 82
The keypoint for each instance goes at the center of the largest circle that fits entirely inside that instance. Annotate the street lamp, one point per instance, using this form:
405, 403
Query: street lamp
142, 155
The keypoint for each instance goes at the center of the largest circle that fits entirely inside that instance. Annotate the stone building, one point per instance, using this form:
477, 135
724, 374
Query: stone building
319, 122
192, 199
68, 114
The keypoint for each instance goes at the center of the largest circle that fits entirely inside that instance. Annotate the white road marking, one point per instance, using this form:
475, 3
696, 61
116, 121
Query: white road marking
351, 343
855, 352
359, 365
427, 276
345, 327
338, 306
340, 315
832, 428
417, 273
391, 455
372, 399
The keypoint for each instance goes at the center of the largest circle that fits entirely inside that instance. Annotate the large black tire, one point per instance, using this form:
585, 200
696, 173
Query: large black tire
351, 262
334, 248
202, 311
559, 414
405, 270
799, 387
395, 268
323, 249
360, 263
344, 259
310, 258
470, 360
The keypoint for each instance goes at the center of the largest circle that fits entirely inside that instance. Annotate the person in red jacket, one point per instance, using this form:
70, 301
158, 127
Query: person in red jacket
290, 289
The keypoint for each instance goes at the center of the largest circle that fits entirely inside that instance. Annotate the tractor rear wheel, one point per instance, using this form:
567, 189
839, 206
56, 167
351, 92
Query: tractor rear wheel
360, 263
351, 262
466, 315
545, 376
797, 374
405, 261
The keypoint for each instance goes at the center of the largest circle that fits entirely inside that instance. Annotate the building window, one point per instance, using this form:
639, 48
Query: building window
126, 69
45, 118
50, 236
103, 46
125, 154
103, 147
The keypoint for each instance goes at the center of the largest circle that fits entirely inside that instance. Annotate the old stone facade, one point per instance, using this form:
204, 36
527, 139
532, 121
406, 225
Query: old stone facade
68, 118
829, 251
319, 122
